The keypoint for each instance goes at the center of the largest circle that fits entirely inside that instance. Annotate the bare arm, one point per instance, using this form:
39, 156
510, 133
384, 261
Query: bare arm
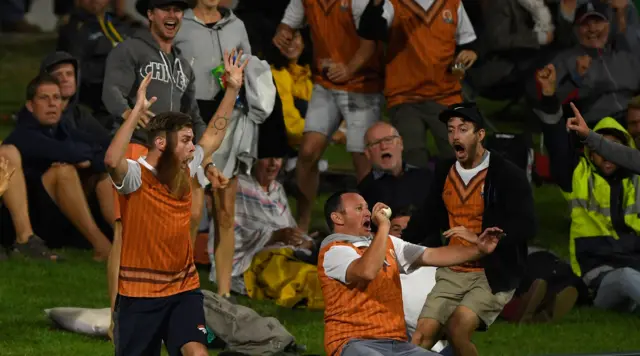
363, 54
115, 158
366, 268
215, 131
448, 256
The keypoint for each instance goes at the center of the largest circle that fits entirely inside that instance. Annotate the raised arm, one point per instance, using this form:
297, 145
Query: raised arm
366, 268
622, 155
215, 131
454, 255
115, 158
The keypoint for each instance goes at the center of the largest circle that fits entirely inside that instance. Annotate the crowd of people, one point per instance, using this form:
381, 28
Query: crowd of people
135, 139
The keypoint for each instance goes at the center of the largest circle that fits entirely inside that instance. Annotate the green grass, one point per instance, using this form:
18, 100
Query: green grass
28, 287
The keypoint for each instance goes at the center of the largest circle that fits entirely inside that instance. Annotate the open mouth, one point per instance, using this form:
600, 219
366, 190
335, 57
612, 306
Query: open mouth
367, 225
386, 155
170, 25
458, 148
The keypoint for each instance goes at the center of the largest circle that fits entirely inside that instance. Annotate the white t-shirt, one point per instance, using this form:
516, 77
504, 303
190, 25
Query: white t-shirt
468, 174
294, 14
132, 181
338, 258
464, 30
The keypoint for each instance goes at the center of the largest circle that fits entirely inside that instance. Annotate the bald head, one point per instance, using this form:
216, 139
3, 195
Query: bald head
384, 148
379, 129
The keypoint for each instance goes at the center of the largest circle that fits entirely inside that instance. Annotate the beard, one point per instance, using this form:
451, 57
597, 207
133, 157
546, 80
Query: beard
171, 171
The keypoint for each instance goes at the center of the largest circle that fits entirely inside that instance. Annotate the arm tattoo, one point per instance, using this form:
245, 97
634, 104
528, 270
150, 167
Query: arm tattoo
219, 123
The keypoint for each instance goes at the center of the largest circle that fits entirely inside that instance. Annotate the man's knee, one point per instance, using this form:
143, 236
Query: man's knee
194, 349
462, 323
11, 154
60, 173
427, 333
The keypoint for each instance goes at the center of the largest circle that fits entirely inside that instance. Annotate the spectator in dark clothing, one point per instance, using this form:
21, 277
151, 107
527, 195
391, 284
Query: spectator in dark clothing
54, 158
599, 75
391, 181
511, 48
89, 36
66, 69
16, 231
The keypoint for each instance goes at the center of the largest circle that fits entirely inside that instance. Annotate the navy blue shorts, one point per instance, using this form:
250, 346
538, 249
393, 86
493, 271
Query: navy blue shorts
141, 324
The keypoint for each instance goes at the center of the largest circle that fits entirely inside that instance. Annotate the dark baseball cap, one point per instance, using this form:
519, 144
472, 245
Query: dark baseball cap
594, 8
466, 111
154, 4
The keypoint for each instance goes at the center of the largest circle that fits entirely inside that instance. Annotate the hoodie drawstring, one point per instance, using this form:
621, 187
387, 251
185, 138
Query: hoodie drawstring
107, 33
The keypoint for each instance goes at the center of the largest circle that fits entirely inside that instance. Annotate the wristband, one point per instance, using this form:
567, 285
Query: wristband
207, 166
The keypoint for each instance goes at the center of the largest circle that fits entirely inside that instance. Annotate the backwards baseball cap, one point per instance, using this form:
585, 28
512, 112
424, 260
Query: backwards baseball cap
154, 4
466, 111
593, 8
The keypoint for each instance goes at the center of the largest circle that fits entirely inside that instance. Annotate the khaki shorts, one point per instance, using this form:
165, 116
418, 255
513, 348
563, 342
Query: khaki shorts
469, 289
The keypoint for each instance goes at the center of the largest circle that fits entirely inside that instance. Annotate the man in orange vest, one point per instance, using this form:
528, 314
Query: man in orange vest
348, 82
360, 277
430, 47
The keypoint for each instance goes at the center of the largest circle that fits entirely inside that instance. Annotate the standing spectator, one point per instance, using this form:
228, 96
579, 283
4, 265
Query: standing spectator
173, 83
598, 74
207, 31
55, 157
89, 36
360, 278
430, 38
603, 239
391, 181
348, 77
480, 189
12, 17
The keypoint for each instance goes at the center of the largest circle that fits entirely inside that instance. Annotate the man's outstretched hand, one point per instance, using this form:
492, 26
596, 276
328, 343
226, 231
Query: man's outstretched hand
488, 240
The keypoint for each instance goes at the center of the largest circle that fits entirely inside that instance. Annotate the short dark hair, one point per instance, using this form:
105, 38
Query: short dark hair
40, 79
167, 122
404, 211
634, 103
334, 204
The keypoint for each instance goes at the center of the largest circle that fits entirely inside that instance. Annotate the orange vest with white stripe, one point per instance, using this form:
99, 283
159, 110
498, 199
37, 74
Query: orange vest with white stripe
157, 254
422, 46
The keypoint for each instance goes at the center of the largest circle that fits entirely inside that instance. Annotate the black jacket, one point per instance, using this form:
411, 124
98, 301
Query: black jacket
41, 146
508, 205
89, 42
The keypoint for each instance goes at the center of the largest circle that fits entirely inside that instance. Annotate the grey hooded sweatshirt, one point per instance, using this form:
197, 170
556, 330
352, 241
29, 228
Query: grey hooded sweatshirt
203, 46
172, 83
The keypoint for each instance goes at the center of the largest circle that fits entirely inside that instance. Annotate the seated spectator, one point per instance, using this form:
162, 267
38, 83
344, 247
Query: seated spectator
66, 69
15, 207
597, 74
89, 36
548, 291
54, 158
391, 181
604, 243
360, 277
263, 221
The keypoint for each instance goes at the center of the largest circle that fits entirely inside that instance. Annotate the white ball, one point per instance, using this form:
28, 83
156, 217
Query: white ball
387, 212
